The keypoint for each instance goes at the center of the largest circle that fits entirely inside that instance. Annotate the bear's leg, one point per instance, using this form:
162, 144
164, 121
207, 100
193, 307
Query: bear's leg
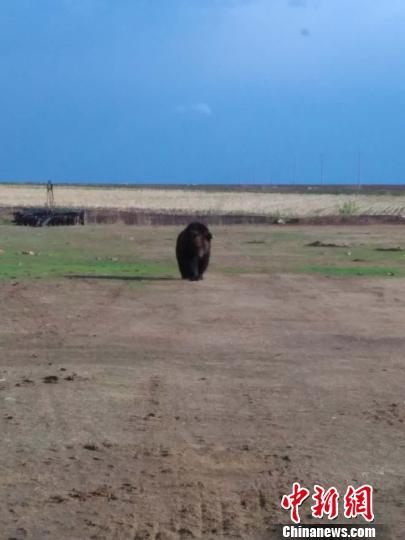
202, 265
194, 274
183, 269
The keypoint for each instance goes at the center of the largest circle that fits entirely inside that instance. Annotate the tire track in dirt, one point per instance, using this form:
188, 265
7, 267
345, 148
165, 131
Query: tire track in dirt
62, 468
199, 508
148, 412
186, 521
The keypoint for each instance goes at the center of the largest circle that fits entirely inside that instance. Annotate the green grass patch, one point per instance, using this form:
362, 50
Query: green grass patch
46, 265
93, 251
349, 208
351, 271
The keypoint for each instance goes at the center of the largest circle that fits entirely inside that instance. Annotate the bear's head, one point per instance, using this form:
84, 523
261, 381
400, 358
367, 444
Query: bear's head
201, 238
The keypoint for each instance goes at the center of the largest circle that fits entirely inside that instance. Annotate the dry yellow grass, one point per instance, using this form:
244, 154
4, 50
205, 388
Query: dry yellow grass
188, 201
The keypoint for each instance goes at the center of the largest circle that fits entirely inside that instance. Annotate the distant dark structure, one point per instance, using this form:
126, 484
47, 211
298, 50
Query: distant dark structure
50, 201
193, 250
49, 216
43, 217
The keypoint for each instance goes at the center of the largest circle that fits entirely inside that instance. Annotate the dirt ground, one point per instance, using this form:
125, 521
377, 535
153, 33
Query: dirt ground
173, 410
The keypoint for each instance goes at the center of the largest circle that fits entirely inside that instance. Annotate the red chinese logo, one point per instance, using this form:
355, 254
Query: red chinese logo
357, 502
326, 503
294, 501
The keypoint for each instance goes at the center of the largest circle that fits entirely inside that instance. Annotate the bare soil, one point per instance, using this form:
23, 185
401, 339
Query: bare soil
175, 410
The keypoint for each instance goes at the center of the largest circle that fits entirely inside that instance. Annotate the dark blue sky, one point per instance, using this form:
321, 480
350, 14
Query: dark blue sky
202, 90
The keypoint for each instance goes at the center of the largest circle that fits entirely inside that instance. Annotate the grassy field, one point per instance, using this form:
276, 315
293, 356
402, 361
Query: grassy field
210, 201
149, 251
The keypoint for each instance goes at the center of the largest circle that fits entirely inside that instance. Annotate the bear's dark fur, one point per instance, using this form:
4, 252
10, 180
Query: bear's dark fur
193, 249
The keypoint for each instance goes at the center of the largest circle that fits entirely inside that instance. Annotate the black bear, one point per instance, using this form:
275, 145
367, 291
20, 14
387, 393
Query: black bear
193, 249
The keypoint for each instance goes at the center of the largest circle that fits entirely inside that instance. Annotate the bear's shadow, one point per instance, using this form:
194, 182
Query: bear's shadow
122, 278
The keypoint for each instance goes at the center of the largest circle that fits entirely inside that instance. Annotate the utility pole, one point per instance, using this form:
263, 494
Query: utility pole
294, 171
322, 168
359, 171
